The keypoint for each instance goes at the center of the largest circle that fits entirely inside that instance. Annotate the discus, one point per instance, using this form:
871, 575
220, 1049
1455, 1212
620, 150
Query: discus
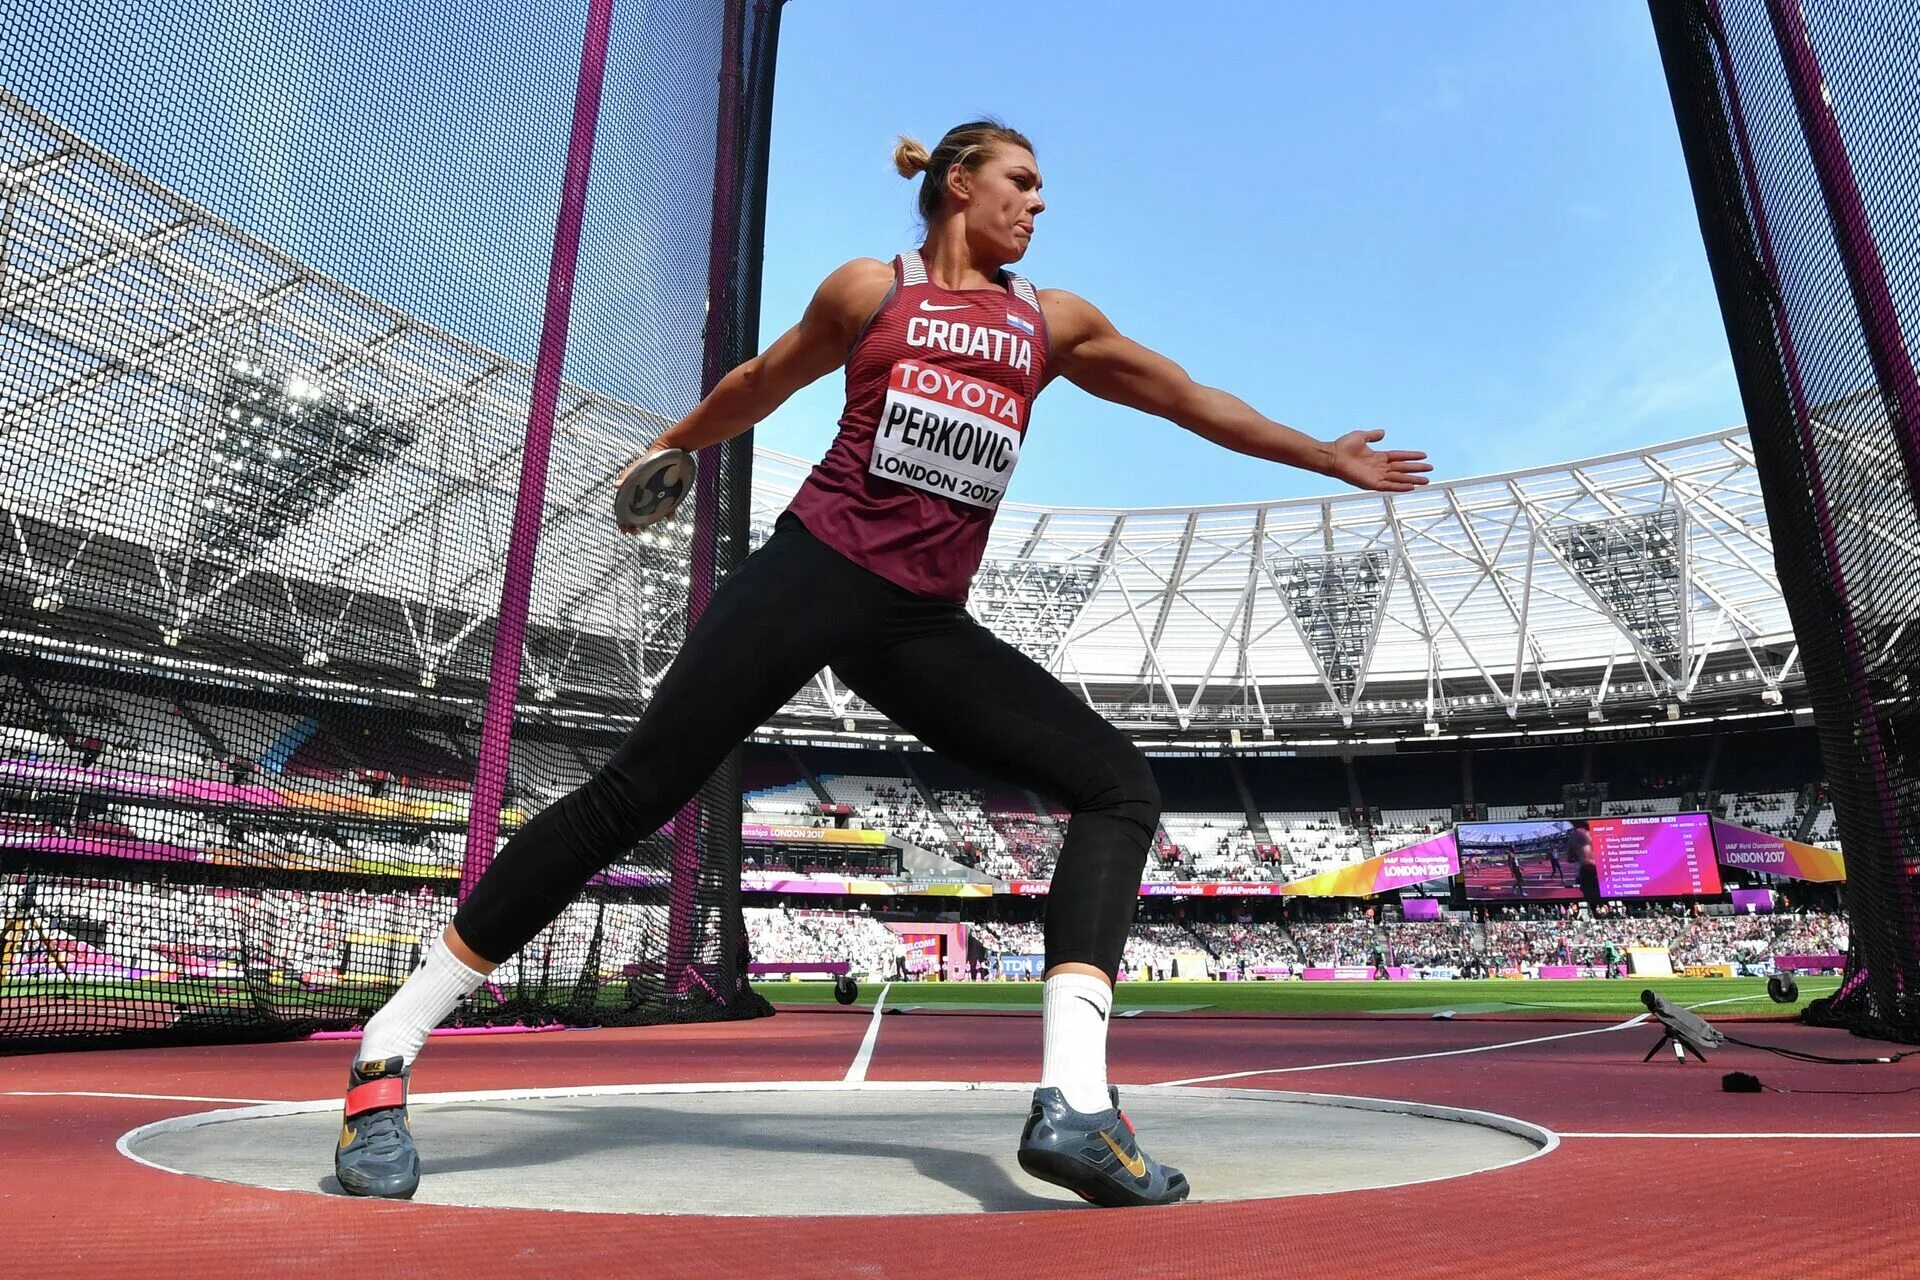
653, 489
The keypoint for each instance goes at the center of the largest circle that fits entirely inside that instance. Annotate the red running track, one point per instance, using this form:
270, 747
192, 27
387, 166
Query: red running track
1672, 1206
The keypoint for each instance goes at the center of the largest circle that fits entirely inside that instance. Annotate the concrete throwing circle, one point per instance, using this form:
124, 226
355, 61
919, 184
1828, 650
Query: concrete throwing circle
830, 1149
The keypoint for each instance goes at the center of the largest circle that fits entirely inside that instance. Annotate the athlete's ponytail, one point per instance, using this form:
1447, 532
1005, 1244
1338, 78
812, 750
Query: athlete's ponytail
909, 156
966, 145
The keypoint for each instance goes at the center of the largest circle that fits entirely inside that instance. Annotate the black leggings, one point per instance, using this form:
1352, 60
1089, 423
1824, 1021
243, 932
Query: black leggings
794, 607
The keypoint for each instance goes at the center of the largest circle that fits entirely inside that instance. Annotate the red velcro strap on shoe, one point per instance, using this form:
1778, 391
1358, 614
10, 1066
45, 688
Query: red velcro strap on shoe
375, 1094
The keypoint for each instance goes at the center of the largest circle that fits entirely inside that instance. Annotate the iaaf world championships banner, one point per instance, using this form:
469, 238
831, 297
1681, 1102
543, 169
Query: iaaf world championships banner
1776, 856
757, 833
1435, 859
1174, 888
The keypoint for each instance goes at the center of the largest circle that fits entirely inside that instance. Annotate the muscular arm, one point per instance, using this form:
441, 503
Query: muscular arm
1096, 357
811, 349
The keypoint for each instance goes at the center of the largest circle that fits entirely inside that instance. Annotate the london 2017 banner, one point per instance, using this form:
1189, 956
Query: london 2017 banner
1773, 855
1434, 859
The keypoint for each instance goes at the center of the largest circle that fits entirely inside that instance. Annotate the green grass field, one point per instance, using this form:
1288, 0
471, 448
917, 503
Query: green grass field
1594, 997
1493, 995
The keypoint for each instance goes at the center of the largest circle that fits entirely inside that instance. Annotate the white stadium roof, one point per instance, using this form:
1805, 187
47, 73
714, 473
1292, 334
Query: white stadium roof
142, 323
1643, 577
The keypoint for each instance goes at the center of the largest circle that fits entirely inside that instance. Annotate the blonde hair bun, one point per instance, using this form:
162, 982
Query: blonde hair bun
909, 157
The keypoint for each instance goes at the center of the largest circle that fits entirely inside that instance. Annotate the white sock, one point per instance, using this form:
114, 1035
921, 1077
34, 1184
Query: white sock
421, 1004
1073, 1010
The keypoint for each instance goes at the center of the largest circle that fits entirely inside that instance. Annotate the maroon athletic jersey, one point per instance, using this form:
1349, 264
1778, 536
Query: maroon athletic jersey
938, 388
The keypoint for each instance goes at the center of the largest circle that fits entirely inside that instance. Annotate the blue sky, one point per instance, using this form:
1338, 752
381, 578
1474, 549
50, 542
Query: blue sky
1466, 223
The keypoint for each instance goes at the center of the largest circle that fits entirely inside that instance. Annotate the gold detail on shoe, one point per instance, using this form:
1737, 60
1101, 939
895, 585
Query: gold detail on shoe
347, 1136
1135, 1165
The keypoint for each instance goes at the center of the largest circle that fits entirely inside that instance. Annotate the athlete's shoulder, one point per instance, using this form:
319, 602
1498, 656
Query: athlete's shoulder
863, 269
1070, 318
862, 282
848, 297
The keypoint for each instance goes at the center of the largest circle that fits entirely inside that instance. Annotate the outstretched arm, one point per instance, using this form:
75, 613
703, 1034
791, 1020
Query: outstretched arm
811, 349
1096, 357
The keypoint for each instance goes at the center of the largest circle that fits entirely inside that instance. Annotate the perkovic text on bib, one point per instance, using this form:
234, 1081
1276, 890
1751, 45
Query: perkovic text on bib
948, 433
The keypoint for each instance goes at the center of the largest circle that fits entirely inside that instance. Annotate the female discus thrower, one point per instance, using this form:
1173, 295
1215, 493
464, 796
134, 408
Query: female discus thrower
867, 572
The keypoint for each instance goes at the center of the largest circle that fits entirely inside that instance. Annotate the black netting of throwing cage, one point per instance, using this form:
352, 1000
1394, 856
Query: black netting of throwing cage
1798, 119
291, 298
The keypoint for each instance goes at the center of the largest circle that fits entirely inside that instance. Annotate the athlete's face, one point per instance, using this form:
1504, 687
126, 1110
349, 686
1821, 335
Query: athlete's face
1001, 200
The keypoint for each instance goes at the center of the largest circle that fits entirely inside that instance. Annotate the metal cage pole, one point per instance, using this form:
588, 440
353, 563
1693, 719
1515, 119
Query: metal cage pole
1852, 231
516, 582
1887, 350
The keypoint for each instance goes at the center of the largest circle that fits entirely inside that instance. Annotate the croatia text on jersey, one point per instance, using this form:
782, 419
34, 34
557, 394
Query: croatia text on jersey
960, 338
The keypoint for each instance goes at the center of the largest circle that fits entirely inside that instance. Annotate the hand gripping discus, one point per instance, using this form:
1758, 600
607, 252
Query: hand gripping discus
654, 488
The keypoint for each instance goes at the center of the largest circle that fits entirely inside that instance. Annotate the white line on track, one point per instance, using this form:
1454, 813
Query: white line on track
1708, 1004
1411, 1057
1735, 1136
858, 1071
144, 1097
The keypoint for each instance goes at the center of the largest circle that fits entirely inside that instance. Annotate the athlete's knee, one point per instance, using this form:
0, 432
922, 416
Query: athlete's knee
1123, 785
1142, 803
611, 813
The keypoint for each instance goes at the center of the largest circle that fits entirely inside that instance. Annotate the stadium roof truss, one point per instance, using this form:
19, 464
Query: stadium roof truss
1644, 578
285, 458
280, 470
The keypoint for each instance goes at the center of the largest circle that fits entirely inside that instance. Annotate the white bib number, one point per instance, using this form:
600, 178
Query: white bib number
948, 433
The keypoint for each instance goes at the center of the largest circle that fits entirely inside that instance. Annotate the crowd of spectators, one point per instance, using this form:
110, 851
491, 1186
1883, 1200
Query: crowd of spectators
995, 833
1527, 937
1691, 938
1156, 947
980, 843
1423, 944
1306, 843
307, 935
892, 805
105, 928
776, 934
1248, 945
133, 929
1639, 808
1028, 844
1337, 942
1397, 829
311, 844
1151, 947
1014, 938
1208, 846
1774, 812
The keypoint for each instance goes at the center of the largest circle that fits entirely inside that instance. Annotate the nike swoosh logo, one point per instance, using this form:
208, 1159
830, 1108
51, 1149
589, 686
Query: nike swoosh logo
961, 306
347, 1136
1096, 1008
1135, 1165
